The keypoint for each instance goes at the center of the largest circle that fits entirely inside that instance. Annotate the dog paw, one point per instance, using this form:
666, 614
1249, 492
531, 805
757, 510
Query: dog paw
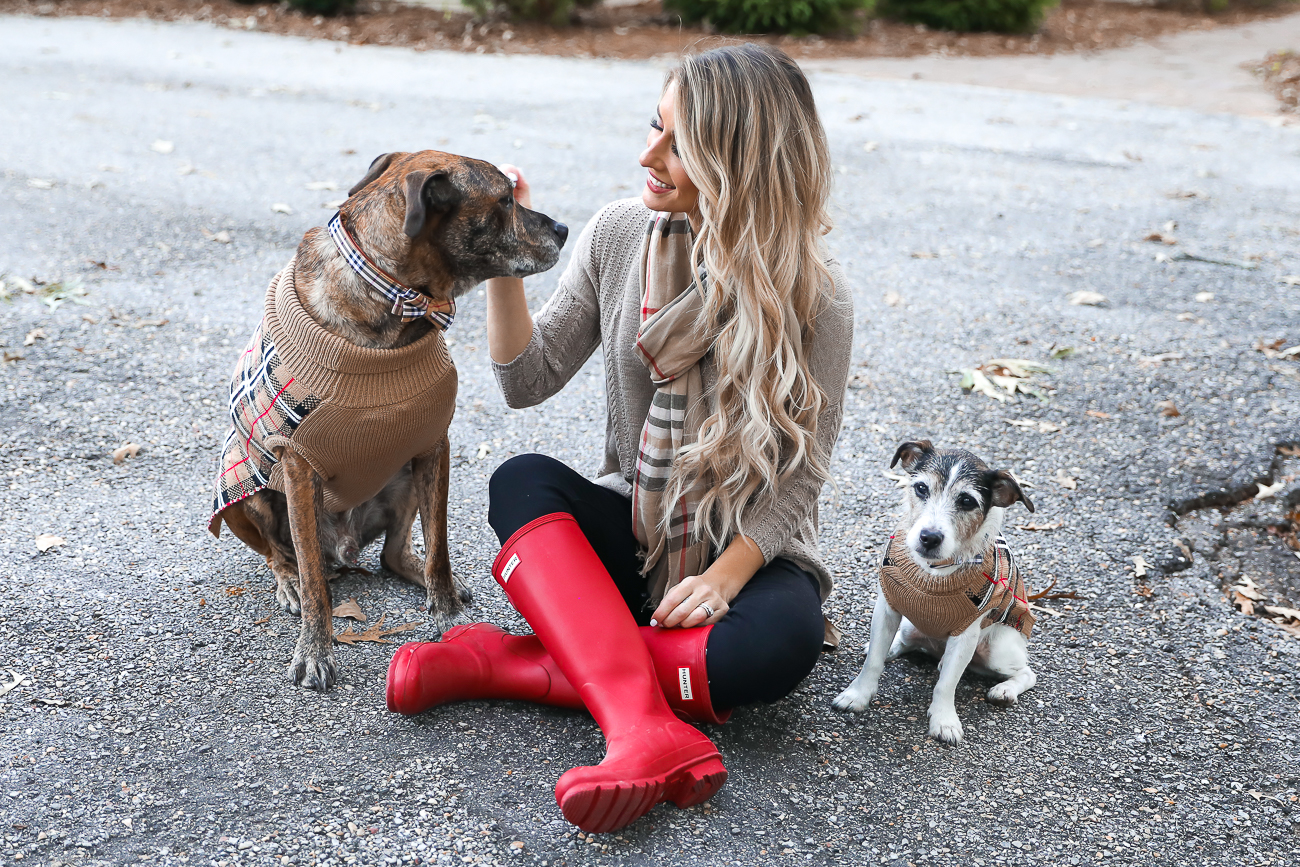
853, 700
1000, 695
945, 727
287, 596
463, 593
310, 670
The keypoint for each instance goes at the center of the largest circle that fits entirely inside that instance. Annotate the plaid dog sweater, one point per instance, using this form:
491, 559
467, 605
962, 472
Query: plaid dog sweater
356, 415
948, 604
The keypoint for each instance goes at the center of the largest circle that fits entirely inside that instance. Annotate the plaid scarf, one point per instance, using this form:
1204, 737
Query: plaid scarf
670, 344
407, 303
265, 402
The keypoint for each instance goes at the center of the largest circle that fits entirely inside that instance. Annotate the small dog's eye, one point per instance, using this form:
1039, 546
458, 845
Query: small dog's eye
921, 489
966, 503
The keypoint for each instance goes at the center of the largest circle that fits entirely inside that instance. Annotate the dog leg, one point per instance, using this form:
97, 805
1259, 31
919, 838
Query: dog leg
884, 625
1008, 657
313, 659
944, 724
401, 508
445, 596
286, 582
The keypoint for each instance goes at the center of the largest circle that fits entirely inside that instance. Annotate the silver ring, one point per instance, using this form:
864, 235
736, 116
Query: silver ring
707, 610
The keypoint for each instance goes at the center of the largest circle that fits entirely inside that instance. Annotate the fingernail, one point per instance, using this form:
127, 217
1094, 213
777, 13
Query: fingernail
654, 622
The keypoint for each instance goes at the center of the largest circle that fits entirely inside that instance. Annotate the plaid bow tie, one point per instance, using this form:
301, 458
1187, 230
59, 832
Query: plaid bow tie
407, 302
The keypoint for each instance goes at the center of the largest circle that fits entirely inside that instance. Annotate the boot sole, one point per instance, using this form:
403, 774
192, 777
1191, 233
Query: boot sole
397, 673
598, 808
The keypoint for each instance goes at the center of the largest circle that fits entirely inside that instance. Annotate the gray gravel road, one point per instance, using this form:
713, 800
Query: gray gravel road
149, 718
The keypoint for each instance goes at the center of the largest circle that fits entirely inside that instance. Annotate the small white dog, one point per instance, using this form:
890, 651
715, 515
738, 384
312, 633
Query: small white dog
948, 577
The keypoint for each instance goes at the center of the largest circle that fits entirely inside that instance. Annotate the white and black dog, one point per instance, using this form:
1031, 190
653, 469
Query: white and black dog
949, 579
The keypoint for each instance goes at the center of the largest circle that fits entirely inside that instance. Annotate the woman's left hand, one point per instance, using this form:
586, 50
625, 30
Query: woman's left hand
684, 604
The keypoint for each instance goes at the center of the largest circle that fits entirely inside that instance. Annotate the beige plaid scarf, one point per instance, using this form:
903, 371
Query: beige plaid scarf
670, 343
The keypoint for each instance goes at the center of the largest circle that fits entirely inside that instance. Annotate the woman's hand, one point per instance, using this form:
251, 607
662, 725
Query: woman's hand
523, 192
509, 324
681, 605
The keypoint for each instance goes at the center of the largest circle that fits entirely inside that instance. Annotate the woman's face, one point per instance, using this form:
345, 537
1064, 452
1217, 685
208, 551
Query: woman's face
667, 188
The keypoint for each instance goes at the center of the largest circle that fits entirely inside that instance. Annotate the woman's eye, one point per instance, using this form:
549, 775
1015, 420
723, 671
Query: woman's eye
921, 489
674, 149
966, 503
655, 124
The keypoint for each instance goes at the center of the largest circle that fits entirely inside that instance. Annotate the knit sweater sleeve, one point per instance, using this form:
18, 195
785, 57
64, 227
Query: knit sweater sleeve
566, 331
772, 525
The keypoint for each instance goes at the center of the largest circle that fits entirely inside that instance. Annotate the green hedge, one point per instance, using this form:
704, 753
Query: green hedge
965, 16
552, 11
774, 16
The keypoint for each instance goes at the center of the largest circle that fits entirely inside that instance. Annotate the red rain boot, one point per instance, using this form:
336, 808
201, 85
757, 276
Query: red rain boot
554, 579
481, 661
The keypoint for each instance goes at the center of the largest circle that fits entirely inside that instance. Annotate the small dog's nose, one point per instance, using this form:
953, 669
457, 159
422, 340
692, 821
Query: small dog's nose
561, 232
931, 539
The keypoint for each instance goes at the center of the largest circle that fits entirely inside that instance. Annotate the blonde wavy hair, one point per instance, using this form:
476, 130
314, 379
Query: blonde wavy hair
748, 135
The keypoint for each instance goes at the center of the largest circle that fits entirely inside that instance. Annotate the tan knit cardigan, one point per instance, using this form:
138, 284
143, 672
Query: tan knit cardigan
946, 605
598, 304
356, 415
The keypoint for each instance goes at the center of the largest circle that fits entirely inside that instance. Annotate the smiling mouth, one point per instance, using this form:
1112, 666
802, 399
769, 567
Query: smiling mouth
658, 186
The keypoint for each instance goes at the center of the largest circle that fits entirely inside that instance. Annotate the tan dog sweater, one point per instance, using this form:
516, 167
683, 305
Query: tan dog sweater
356, 415
946, 605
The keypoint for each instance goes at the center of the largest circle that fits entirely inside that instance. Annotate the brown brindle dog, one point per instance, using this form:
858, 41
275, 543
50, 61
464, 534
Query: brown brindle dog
440, 224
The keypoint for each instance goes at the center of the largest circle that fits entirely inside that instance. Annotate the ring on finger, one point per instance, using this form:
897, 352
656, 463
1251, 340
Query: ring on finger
708, 611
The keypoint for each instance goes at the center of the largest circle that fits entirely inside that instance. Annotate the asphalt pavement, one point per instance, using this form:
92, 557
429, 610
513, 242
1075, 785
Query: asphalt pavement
157, 176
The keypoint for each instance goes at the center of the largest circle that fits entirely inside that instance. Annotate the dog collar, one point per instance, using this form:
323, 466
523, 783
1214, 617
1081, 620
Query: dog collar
408, 303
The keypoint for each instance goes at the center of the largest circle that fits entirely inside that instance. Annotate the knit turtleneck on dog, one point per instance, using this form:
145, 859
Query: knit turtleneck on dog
942, 605
356, 415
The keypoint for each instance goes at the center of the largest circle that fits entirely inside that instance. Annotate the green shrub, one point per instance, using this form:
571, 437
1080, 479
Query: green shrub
552, 11
773, 16
320, 7
965, 16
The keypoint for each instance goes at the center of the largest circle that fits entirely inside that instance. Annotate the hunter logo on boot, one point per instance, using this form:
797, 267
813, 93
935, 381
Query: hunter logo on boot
509, 568
684, 681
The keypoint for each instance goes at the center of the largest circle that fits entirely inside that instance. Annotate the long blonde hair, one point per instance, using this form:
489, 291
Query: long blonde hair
748, 135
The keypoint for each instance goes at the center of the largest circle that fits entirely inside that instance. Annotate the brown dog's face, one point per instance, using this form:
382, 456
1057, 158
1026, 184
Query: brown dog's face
448, 222
953, 502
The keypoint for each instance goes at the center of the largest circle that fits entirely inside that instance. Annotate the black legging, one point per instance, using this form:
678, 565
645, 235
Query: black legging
762, 647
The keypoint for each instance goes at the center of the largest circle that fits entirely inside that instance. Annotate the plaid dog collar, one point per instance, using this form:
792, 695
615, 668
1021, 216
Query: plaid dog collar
407, 302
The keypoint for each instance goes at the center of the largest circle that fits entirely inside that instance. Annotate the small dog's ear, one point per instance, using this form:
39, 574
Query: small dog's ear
1005, 490
428, 194
377, 168
910, 453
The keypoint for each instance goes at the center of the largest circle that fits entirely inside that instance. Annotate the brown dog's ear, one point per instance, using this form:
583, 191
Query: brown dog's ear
1005, 490
377, 168
910, 453
428, 194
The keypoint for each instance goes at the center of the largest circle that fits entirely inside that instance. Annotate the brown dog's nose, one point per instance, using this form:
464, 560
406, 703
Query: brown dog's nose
561, 232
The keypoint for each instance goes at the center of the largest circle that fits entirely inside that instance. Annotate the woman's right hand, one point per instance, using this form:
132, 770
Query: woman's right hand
523, 192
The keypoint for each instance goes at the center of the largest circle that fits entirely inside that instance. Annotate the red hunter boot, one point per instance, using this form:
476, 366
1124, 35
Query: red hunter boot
481, 661
553, 578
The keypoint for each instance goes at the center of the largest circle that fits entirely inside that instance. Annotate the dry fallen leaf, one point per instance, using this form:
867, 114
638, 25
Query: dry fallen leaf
1065, 480
900, 480
1140, 566
870, 146
162, 147
1168, 409
1290, 279
34, 335
281, 208
1096, 413
483, 451
46, 541
1204, 297
222, 237
1040, 426
1266, 491
924, 254
974, 380
12, 356
1041, 528
893, 299
6, 687
1279, 611
350, 609
375, 633
1088, 298
1243, 602
124, 451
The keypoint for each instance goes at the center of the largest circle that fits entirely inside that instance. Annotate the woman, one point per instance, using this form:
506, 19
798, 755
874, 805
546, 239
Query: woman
725, 400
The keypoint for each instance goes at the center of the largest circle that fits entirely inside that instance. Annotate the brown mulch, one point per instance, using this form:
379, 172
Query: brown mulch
1281, 74
644, 31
